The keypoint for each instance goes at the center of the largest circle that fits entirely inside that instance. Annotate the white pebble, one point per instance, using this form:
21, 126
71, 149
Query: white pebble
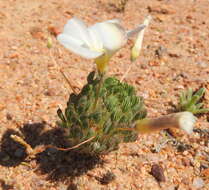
198, 182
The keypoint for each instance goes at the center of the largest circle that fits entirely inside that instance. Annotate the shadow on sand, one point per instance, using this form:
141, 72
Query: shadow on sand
57, 164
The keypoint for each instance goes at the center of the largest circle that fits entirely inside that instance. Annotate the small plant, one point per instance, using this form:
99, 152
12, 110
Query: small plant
102, 115
103, 109
192, 101
107, 111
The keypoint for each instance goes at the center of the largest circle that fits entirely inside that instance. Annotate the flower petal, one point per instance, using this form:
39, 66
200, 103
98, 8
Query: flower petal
75, 46
138, 44
64, 38
77, 29
187, 121
95, 39
140, 28
114, 21
112, 35
135, 31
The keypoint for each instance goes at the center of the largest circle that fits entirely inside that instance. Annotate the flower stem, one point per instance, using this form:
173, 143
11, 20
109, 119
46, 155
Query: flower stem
101, 79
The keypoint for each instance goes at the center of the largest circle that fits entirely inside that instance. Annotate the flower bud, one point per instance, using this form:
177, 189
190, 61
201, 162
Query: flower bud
138, 44
181, 120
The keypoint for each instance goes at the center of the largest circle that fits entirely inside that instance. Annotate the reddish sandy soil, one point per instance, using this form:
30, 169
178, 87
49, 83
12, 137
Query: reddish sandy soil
175, 56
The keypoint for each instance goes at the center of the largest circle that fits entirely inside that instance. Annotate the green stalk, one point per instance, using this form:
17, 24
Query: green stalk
101, 75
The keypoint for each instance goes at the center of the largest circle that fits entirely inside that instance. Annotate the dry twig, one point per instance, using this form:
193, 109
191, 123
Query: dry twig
63, 74
31, 152
28, 148
127, 71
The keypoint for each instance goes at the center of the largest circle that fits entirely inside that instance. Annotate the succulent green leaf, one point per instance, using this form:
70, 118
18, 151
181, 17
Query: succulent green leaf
102, 106
90, 77
191, 101
60, 115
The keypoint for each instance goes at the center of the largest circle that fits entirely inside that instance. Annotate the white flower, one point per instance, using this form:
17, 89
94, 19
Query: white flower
100, 40
186, 121
138, 44
180, 120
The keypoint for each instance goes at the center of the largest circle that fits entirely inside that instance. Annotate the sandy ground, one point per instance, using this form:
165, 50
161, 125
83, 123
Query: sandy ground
174, 56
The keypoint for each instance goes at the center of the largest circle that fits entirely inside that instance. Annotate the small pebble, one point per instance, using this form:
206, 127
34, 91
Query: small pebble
9, 116
144, 66
53, 30
107, 178
160, 51
205, 172
37, 33
171, 187
198, 182
158, 173
50, 92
